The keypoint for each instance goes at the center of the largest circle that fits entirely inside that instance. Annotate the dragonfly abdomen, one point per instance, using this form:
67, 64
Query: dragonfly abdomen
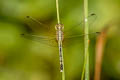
61, 56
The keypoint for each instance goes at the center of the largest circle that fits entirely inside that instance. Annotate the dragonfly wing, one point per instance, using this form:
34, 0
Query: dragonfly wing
36, 26
82, 35
50, 41
79, 27
72, 39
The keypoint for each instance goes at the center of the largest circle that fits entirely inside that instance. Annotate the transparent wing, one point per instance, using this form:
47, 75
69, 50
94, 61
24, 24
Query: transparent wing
36, 26
82, 35
79, 27
71, 40
50, 41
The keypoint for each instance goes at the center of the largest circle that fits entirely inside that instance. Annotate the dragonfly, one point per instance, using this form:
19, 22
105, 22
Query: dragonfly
58, 38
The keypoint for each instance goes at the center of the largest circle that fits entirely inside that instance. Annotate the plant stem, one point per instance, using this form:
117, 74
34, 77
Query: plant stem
57, 8
99, 54
100, 44
86, 39
83, 72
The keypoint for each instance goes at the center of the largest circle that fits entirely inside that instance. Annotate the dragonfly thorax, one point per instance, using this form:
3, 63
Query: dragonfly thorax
59, 27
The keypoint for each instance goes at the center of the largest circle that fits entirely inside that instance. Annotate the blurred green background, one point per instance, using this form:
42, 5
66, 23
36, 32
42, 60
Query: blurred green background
22, 59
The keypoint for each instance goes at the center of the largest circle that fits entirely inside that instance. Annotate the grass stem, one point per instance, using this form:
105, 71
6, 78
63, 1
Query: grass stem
86, 39
57, 8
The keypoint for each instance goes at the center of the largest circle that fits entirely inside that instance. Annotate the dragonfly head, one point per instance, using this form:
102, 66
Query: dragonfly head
59, 27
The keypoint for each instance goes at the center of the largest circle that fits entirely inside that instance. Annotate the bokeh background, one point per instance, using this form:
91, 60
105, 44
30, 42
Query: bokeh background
24, 59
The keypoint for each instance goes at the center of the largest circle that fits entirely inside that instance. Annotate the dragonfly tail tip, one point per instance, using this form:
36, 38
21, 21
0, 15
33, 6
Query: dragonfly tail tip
61, 70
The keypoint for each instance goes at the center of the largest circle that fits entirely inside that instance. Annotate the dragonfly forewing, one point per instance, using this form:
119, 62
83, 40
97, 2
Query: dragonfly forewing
79, 26
36, 26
